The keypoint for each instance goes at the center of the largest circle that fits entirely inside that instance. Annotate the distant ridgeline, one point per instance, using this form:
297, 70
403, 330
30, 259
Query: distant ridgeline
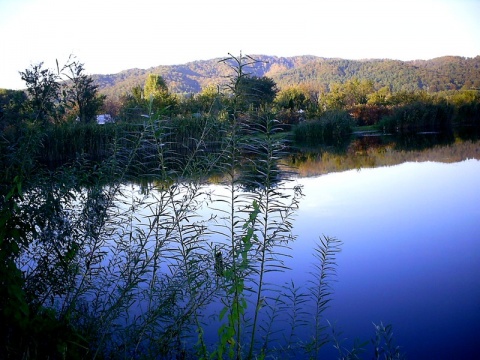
439, 74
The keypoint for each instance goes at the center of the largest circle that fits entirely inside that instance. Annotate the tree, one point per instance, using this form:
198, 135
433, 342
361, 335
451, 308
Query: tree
409, 97
357, 91
209, 98
82, 93
137, 94
380, 97
156, 92
353, 92
11, 107
154, 86
43, 90
335, 99
293, 98
132, 104
257, 91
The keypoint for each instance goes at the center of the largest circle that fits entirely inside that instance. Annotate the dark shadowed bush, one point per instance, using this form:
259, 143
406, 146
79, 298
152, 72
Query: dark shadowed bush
367, 114
419, 117
330, 129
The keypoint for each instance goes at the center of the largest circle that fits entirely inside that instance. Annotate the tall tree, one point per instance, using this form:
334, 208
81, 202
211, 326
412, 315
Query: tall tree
82, 92
156, 92
380, 97
352, 92
257, 91
11, 107
43, 90
154, 86
293, 98
357, 91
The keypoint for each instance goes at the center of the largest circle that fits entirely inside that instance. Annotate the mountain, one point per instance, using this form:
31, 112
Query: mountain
439, 74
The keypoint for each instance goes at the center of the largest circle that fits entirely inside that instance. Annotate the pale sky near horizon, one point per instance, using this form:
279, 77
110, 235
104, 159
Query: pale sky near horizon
109, 36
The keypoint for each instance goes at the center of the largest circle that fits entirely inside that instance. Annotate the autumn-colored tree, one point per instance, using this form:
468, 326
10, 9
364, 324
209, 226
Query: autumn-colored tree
155, 85
380, 97
155, 91
352, 92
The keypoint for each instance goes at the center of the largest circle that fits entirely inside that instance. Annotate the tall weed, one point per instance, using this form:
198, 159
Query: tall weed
330, 129
119, 268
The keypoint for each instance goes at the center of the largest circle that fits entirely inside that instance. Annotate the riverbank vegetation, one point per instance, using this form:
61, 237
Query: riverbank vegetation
113, 246
64, 105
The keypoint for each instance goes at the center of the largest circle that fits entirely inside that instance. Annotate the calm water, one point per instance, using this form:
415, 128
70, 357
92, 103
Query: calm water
410, 226
410, 254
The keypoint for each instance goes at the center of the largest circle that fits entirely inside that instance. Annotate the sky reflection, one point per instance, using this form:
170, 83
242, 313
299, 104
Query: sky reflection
411, 253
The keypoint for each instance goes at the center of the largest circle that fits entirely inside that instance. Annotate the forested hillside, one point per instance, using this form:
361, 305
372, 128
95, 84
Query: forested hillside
444, 73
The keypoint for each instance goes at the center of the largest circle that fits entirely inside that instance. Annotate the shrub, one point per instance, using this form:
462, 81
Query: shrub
330, 129
419, 117
368, 114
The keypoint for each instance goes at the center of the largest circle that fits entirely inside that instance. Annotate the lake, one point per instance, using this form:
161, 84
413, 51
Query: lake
146, 255
410, 254
411, 247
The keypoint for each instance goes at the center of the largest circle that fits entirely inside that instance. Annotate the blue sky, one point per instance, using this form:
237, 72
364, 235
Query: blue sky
113, 35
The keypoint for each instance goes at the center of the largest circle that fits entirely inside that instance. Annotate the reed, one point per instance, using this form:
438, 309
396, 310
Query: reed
417, 117
330, 129
121, 270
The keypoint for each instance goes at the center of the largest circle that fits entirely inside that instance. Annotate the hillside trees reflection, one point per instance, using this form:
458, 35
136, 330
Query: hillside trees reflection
376, 151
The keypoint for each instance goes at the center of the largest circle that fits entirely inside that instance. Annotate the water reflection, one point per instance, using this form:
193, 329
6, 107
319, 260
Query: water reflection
411, 251
377, 151
408, 222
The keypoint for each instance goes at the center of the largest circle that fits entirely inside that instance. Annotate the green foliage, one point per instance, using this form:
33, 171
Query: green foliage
156, 92
154, 84
467, 104
237, 86
132, 106
384, 343
13, 306
82, 95
43, 89
321, 290
419, 117
440, 74
29, 329
208, 102
12, 103
230, 332
352, 92
380, 97
69, 142
257, 92
330, 129
292, 98
408, 97
117, 259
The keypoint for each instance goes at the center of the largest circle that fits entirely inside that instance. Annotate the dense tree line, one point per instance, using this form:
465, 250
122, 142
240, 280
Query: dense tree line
440, 74
65, 95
